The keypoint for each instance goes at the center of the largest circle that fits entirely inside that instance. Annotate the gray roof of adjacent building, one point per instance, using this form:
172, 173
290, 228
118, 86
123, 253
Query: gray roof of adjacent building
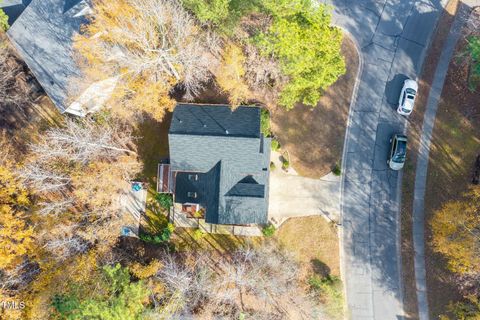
229, 147
43, 34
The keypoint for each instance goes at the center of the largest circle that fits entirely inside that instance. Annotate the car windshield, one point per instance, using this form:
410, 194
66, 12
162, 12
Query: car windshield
410, 91
400, 152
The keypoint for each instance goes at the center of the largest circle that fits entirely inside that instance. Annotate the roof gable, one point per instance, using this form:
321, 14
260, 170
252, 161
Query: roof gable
242, 160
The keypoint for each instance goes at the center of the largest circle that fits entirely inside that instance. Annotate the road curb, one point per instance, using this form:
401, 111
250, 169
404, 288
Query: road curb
344, 152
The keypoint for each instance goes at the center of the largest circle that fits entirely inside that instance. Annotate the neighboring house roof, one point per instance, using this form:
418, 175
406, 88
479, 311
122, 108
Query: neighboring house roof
13, 8
231, 156
43, 36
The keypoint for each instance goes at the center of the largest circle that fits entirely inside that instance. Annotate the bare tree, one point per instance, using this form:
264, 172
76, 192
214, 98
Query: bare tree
153, 48
260, 70
188, 285
228, 287
43, 179
16, 279
55, 206
472, 24
83, 141
66, 246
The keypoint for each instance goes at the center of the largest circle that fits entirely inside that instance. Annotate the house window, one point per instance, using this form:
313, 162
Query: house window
193, 177
191, 194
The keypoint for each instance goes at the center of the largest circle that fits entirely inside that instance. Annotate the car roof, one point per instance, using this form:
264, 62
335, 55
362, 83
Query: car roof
409, 83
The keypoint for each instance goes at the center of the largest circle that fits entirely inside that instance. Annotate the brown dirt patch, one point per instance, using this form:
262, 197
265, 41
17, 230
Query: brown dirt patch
451, 161
314, 242
314, 137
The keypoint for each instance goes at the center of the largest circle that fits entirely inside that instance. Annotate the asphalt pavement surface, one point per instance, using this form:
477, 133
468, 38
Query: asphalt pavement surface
393, 36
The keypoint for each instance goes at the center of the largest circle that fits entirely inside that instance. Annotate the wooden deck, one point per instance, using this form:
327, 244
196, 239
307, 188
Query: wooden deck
164, 179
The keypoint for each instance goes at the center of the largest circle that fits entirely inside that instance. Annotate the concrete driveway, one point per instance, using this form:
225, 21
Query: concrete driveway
296, 196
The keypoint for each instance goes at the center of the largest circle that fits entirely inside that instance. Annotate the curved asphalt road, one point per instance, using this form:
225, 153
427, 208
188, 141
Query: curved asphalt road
393, 36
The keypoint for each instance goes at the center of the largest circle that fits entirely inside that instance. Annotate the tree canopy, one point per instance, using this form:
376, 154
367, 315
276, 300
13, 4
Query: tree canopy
473, 50
151, 46
308, 50
155, 47
456, 232
115, 297
3, 21
16, 236
297, 34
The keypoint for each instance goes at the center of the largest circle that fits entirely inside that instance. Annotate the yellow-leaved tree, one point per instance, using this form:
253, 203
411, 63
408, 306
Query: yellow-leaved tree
230, 75
16, 236
456, 232
152, 46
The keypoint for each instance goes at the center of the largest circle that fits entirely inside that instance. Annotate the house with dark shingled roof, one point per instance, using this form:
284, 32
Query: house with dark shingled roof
42, 32
219, 163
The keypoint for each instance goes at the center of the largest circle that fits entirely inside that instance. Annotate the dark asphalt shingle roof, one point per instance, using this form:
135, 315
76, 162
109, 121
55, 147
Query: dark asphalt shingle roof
43, 37
237, 164
216, 121
13, 8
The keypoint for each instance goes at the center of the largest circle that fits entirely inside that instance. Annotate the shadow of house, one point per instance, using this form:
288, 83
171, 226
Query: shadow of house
220, 163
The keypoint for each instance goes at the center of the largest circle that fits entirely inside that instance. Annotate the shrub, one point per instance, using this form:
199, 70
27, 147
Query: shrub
268, 230
272, 166
467, 309
329, 290
337, 170
285, 164
473, 50
165, 200
162, 237
3, 21
199, 214
145, 271
265, 123
275, 145
198, 234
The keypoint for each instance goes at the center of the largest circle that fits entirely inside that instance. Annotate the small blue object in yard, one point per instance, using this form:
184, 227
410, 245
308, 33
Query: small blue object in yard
127, 232
136, 186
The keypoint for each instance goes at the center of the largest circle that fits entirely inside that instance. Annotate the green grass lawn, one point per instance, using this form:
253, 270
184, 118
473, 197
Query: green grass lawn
314, 242
152, 147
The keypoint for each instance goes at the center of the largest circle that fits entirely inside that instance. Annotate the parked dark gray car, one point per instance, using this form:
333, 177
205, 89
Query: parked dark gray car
398, 152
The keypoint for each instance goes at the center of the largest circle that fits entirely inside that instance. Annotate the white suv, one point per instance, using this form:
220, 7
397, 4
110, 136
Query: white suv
407, 97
